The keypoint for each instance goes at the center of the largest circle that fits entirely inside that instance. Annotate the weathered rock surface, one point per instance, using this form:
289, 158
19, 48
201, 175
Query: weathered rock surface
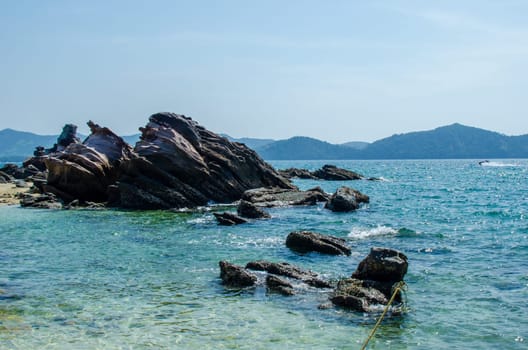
84, 171
236, 276
176, 164
251, 211
288, 270
382, 265
184, 165
327, 172
12, 172
277, 197
346, 199
229, 219
373, 281
306, 241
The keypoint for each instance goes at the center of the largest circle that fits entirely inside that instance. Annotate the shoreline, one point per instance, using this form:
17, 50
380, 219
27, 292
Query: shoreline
9, 194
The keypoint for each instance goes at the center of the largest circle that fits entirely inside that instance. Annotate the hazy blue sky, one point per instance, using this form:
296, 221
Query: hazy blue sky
334, 70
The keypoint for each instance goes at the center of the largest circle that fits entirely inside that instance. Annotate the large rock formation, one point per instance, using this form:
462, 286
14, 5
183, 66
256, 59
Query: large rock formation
182, 164
85, 170
177, 163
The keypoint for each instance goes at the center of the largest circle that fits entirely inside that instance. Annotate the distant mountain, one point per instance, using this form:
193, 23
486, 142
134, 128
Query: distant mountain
20, 144
250, 142
302, 148
356, 144
452, 141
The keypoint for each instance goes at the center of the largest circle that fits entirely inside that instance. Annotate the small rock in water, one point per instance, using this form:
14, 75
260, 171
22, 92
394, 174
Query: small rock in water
306, 241
346, 199
229, 219
251, 211
279, 285
236, 276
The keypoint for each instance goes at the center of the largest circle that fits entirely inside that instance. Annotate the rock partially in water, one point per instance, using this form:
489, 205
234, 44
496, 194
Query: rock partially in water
327, 172
40, 201
373, 282
382, 265
235, 276
346, 199
279, 285
289, 270
251, 211
229, 219
185, 165
306, 241
351, 293
277, 197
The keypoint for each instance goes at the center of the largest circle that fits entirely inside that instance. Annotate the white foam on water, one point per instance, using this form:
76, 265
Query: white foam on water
362, 232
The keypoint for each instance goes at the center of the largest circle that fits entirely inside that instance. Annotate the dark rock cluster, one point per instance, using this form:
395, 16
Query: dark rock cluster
327, 172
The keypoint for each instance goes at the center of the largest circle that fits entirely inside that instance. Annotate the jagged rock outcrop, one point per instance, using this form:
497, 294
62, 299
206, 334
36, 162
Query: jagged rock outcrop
182, 164
346, 199
251, 211
373, 281
288, 270
306, 241
277, 197
84, 171
235, 276
327, 172
177, 163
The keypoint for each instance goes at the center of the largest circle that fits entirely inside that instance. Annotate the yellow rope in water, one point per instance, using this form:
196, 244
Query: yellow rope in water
396, 290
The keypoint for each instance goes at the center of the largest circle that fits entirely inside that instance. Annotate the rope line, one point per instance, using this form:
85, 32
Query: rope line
373, 331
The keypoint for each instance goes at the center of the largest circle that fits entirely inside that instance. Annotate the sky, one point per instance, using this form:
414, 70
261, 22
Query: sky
338, 71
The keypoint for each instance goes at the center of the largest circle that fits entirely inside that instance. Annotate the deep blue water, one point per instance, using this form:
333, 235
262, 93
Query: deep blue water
120, 279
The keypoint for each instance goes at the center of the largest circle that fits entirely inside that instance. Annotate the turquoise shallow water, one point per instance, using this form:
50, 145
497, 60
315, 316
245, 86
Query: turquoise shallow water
121, 280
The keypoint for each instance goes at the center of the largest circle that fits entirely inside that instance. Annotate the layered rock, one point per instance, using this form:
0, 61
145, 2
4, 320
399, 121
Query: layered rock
277, 197
177, 163
288, 270
373, 282
306, 241
327, 172
182, 164
84, 171
346, 199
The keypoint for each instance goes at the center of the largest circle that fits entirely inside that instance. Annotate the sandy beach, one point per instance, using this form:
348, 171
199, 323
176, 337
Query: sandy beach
9, 193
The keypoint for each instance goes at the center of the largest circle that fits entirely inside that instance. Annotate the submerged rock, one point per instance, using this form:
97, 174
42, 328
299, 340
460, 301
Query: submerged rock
306, 241
279, 285
346, 199
236, 276
229, 219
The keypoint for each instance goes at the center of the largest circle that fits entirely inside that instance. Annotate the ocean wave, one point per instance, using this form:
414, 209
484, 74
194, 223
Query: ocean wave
499, 164
362, 232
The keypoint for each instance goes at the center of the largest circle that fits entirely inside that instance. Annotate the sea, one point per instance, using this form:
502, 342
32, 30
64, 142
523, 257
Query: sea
113, 279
